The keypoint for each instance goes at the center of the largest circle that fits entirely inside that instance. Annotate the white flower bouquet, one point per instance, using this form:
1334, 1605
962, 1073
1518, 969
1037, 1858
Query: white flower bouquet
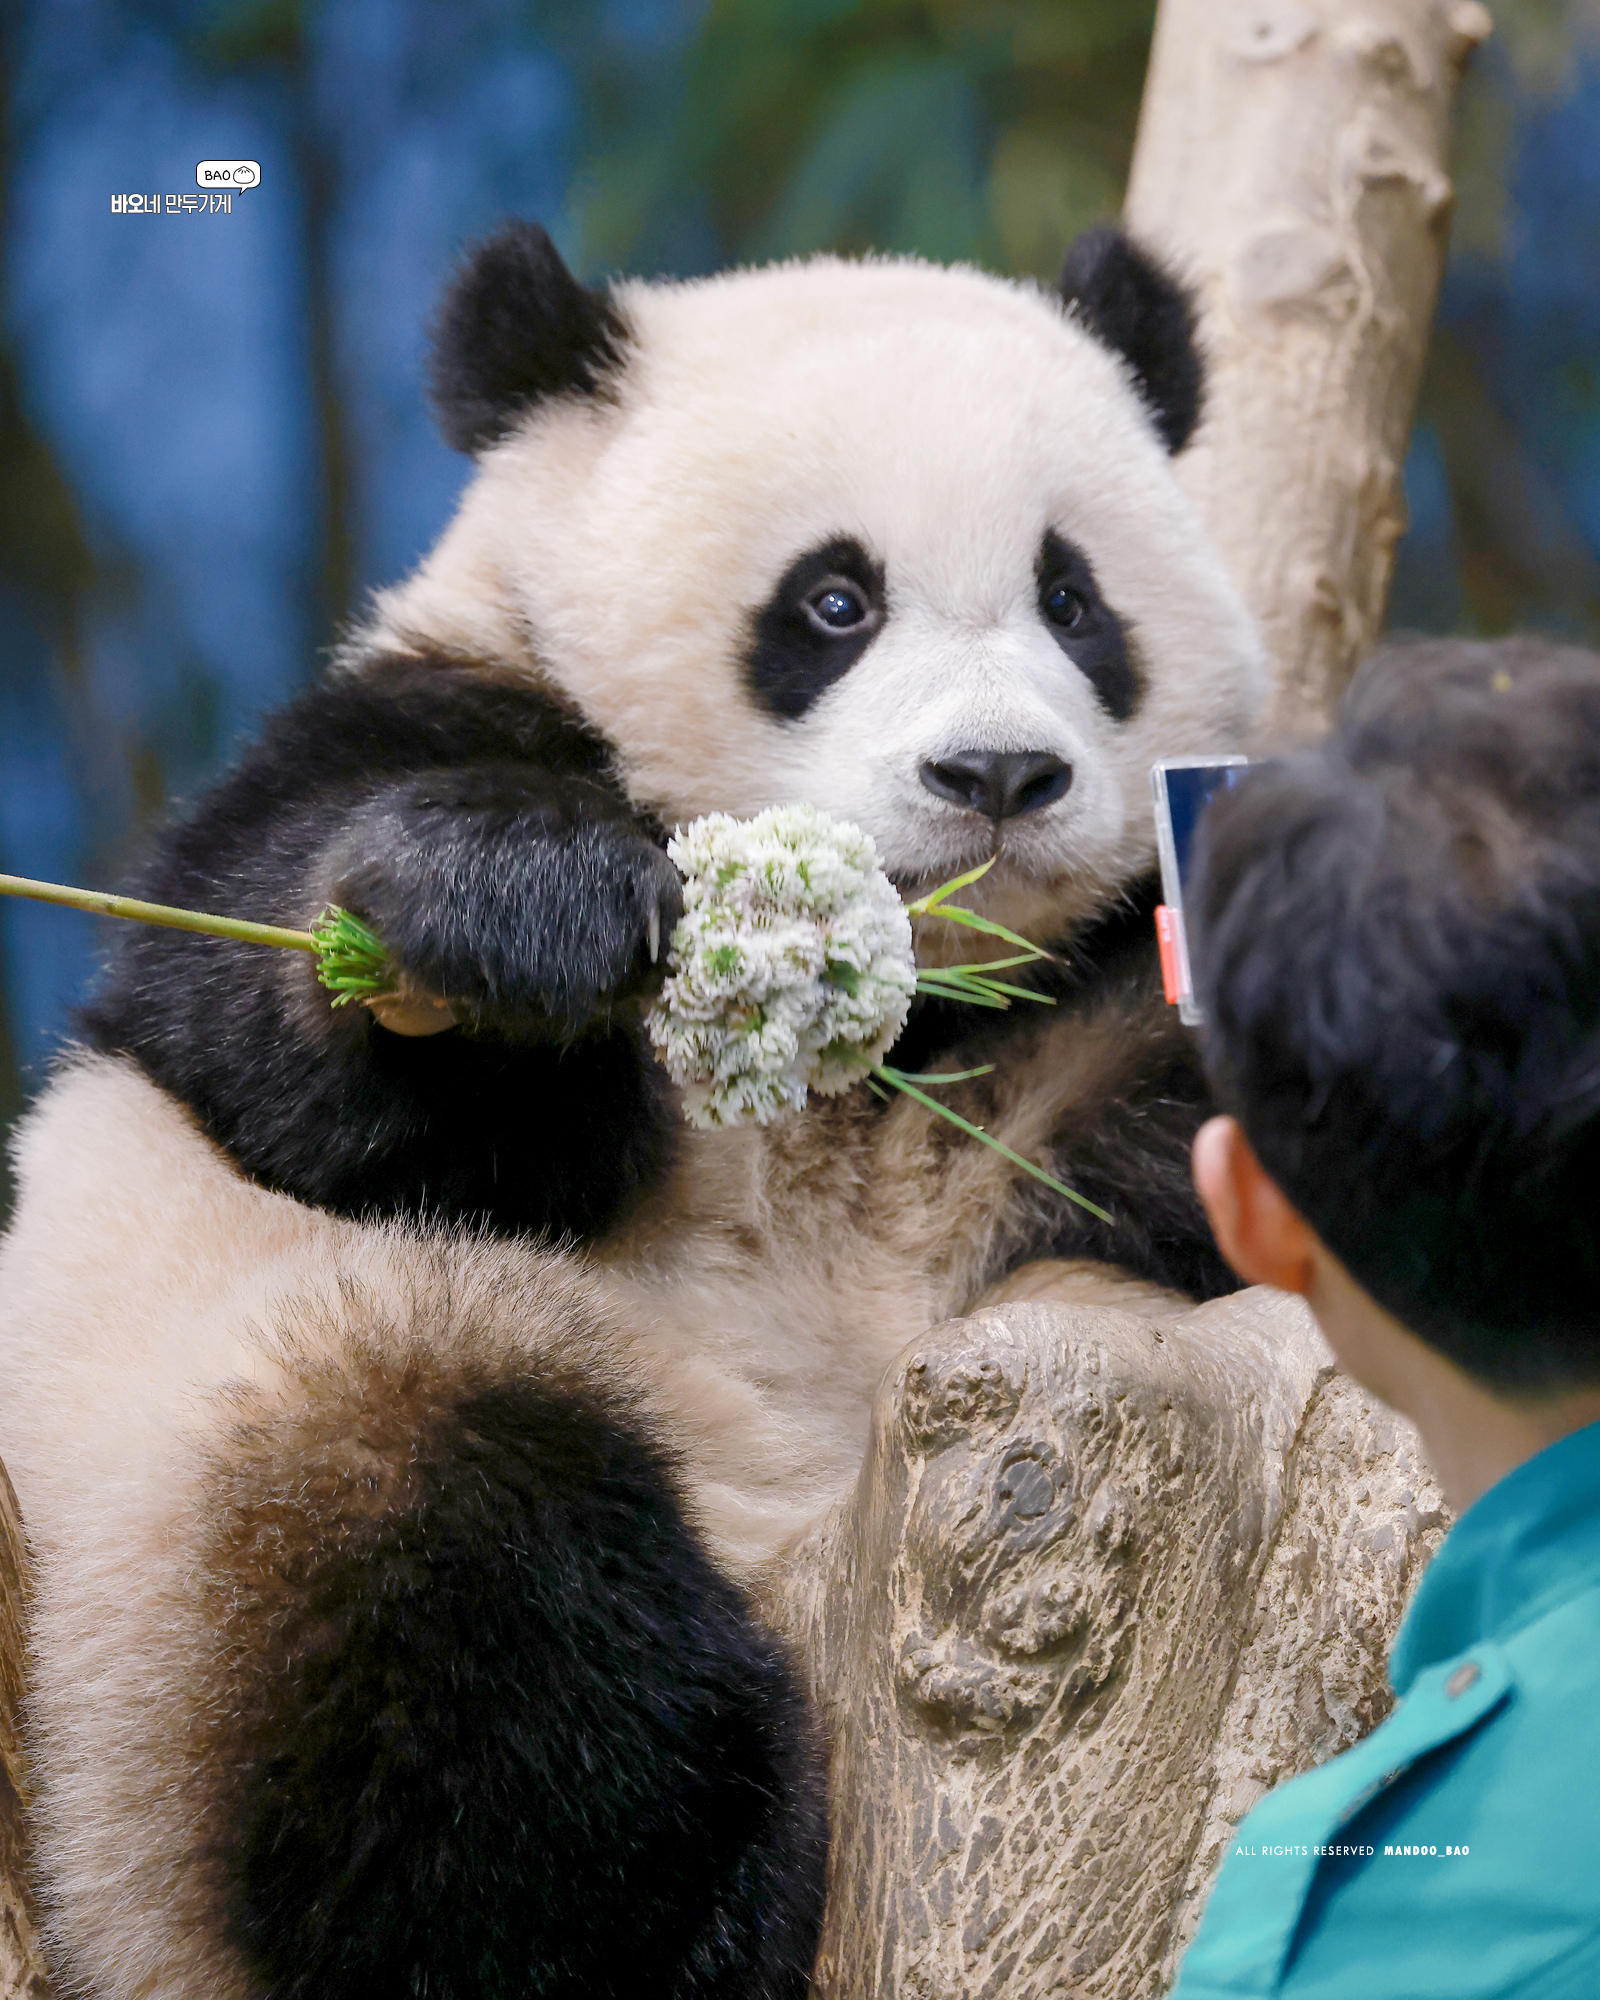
792, 968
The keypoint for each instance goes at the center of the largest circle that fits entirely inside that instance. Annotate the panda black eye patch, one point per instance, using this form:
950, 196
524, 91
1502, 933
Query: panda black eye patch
1084, 626
826, 611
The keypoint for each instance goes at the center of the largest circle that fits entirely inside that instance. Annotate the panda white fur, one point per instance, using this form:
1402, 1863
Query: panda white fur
403, 1425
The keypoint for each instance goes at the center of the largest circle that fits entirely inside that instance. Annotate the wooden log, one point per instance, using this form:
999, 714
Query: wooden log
1290, 161
1101, 1583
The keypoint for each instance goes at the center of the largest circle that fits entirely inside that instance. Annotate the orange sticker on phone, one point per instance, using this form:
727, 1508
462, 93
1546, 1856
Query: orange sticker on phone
1167, 945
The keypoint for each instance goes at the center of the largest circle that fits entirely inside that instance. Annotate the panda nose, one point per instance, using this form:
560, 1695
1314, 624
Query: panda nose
1001, 784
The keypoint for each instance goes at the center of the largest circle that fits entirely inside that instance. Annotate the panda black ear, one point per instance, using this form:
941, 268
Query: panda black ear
514, 327
1121, 295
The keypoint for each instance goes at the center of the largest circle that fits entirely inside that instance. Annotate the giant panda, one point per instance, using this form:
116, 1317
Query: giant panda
407, 1424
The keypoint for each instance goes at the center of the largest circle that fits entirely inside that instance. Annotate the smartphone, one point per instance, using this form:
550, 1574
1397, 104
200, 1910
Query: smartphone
1181, 786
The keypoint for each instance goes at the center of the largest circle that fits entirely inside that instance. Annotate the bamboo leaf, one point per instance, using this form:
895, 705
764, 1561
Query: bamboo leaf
925, 906
971, 996
957, 915
946, 1075
898, 1080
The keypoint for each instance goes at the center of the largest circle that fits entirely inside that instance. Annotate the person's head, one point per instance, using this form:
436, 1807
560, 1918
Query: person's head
1396, 944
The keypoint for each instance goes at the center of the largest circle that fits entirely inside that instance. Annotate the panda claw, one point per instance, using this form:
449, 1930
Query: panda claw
652, 924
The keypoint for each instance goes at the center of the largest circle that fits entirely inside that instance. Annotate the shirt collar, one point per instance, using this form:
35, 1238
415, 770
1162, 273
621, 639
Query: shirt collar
1530, 1541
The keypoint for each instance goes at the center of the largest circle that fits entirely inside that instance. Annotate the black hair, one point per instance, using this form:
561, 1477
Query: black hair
1396, 944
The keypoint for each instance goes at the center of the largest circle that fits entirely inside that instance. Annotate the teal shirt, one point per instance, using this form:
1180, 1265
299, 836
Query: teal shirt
1453, 1854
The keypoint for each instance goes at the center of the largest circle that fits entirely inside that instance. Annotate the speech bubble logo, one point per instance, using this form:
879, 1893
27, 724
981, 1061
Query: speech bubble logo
227, 173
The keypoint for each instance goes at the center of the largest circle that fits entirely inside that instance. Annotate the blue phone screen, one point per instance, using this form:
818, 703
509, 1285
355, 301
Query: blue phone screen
1188, 788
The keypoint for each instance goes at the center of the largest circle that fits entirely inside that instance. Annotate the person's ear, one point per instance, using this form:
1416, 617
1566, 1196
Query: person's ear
1262, 1235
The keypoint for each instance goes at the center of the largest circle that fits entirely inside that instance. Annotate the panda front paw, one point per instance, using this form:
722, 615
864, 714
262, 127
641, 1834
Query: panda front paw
588, 926
532, 906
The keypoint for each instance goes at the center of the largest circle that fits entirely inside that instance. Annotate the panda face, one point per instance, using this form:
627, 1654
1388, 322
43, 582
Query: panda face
897, 541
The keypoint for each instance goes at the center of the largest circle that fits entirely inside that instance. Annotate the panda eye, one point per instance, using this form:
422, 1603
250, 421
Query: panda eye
1064, 607
824, 612
836, 607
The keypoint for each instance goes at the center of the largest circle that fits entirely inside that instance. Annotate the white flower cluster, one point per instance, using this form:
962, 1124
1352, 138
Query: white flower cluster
791, 970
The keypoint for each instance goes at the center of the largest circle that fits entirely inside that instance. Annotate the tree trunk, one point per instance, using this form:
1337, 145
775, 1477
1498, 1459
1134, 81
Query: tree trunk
1290, 163
1100, 1584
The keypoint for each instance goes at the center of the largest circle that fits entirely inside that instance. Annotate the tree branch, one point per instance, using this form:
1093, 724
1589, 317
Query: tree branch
1290, 162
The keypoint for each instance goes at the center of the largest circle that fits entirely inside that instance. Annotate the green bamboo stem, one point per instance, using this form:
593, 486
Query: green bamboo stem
99, 904
351, 960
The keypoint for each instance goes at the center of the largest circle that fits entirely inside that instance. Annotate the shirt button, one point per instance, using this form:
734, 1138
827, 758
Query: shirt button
1464, 1677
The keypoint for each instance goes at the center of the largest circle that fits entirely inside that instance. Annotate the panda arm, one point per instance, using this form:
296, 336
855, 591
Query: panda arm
476, 827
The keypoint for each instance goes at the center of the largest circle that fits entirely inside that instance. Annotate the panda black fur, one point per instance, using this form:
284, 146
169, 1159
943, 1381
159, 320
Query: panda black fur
405, 1423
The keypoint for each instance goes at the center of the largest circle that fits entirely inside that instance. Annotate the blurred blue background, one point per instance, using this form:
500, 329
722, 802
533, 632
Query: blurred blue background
213, 442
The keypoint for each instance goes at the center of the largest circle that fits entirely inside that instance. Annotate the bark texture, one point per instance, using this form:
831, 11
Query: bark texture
21, 1969
1290, 163
1101, 1582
